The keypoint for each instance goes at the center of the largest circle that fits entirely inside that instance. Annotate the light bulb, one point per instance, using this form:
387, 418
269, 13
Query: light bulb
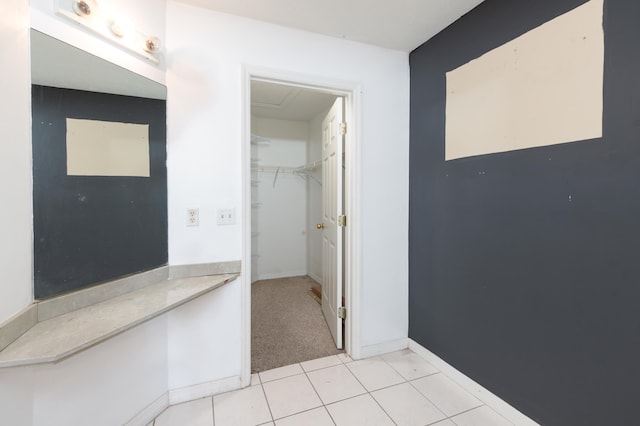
81, 8
152, 44
121, 27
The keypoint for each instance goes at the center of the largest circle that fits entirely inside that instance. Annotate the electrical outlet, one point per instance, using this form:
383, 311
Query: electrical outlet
226, 216
193, 217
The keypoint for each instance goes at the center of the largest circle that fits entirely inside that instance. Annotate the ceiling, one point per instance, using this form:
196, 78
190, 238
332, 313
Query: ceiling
398, 24
272, 100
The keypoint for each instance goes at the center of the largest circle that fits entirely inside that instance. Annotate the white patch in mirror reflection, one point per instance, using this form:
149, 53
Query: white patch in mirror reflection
542, 88
105, 148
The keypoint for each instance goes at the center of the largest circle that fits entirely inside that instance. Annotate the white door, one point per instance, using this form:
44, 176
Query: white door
332, 146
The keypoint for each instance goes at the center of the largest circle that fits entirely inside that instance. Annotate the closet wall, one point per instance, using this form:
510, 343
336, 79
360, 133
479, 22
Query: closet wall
281, 199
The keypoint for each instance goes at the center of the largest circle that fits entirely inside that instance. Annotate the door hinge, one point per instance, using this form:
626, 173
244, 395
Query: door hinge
342, 221
343, 128
342, 312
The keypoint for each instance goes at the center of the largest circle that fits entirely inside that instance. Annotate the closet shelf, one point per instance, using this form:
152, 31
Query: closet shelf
274, 169
301, 171
310, 166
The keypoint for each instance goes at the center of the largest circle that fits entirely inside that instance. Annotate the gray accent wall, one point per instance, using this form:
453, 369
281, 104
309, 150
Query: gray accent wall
524, 269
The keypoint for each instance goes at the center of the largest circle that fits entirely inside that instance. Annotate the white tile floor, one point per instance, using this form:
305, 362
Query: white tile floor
399, 388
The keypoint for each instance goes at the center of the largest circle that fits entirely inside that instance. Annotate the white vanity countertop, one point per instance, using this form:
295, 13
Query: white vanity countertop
60, 337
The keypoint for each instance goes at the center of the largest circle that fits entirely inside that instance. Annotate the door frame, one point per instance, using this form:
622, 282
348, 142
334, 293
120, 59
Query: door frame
352, 201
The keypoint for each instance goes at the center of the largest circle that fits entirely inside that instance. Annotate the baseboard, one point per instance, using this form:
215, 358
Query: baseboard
383, 348
480, 392
282, 275
315, 277
152, 411
202, 390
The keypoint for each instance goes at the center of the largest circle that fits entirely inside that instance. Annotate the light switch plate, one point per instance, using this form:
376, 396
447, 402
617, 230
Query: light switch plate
227, 216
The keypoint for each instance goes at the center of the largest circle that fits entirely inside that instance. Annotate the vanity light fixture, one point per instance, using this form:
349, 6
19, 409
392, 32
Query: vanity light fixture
114, 27
121, 27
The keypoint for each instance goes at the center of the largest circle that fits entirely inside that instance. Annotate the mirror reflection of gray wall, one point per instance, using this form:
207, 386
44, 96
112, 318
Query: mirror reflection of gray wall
88, 229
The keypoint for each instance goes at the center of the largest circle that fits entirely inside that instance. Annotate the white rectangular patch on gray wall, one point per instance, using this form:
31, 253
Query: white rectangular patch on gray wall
105, 148
542, 88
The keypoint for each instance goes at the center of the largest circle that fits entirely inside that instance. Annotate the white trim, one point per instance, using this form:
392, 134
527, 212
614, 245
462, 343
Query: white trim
282, 275
383, 348
480, 392
353, 231
351, 92
152, 411
315, 277
245, 312
202, 390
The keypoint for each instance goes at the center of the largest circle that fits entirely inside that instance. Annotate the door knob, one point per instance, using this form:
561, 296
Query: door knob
320, 226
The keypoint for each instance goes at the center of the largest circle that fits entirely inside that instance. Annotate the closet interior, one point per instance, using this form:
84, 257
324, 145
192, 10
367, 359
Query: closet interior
286, 184
287, 323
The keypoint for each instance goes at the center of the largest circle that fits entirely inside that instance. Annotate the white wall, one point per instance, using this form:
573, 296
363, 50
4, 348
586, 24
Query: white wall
125, 374
105, 385
16, 397
204, 339
206, 52
15, 160
115, 380
282, 215
314, 199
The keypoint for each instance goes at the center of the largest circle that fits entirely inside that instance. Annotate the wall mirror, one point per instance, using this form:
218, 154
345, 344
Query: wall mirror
99, 169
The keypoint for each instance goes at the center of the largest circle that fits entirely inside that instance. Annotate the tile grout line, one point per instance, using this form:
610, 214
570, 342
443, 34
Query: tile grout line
283, 377
462, 412
294, 375
447, 417
417, 390
267, 400
369, 392
434, 404
427, 398
316, 391
366, 391
440, 372
480, 406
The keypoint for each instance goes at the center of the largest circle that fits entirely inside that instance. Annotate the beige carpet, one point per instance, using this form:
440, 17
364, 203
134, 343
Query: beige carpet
287, 325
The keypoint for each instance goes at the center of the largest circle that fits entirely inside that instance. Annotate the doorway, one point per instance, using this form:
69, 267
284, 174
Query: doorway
352, 93
296, 196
